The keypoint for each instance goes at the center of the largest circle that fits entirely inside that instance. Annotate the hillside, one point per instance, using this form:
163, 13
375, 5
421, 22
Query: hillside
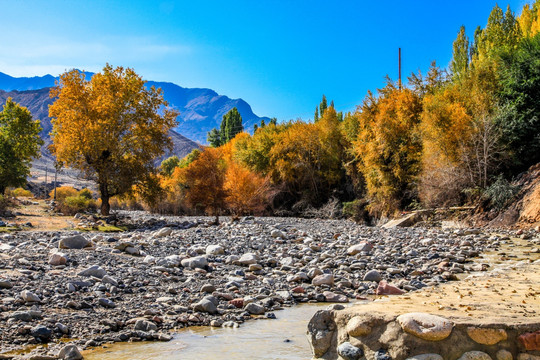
200, 109
38, 101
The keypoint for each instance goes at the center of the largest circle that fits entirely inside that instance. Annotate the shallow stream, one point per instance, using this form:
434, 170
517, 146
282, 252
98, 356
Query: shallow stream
281, 338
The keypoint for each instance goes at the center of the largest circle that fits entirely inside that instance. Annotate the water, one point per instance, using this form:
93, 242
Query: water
282, 338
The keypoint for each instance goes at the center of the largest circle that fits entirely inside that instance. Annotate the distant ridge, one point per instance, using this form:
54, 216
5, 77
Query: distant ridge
200, 109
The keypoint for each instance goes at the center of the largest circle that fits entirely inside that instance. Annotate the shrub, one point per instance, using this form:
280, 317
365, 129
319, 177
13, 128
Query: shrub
76, 204
86, 193
3, 203
63, 192
20, 192
501, 192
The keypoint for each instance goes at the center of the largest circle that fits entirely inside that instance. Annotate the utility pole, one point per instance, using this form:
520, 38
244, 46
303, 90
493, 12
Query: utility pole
400, 69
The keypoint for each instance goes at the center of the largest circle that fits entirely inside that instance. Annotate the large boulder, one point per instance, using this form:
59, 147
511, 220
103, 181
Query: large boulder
74, 242
70, 352
426, 326
214, 250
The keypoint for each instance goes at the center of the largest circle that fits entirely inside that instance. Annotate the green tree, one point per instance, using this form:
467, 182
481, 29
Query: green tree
316, 116
519, 119
230, 125
112, 128
168, 165
214, 138
460, 59
323, 105
19, 144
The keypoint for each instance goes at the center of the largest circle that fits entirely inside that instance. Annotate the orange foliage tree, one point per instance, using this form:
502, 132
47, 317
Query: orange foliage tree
110, 127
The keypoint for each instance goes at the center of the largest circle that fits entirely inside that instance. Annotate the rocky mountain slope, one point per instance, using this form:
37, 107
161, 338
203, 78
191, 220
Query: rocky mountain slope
200, 109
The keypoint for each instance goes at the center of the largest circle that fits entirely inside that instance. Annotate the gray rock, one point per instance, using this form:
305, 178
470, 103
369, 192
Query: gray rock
373, 275
145, 325
214, 250
106, 303
248, 259
426, 326
349, 352
205, 305
426, 357
42, 332
195, 262
70, 352
29, 296
22, 316
64, 329
254, 309
95, 271
475, 355
358, 248
335, 298
109, 280
321, 330
208, 288
74, 242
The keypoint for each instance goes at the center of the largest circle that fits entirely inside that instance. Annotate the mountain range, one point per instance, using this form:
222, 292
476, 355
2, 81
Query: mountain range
200, 109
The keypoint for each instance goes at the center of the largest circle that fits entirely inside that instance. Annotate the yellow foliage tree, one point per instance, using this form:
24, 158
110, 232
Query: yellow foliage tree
247, 192
110, 127
389, 148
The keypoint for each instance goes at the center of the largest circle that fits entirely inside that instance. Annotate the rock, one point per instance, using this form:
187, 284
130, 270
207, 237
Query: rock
336, 298
74, 242
57, 259
382, 354
248, 259
214, 250
358, 248
475, 355
357, 326
64, 329
239, 303
373, 275
29, 296
106, 303
486, 336
324, 279
208, 288
254, 309
524, 356
197, 262
109, 280
166, 231
504, 355
255, 267
5, 284
277, 234
426, 357
70, 352
205, 305
320, 333
22, 316
349, 352
42, 332
426, 326
94, 270
530, 341
387, 289
145, 325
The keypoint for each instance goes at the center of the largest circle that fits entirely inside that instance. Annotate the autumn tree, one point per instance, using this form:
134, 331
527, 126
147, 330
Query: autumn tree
110, 127
389, 148
204, 182
247, 192
19, 144
460, 58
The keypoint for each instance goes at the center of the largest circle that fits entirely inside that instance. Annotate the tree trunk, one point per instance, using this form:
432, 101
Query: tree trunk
2, 189
105, 207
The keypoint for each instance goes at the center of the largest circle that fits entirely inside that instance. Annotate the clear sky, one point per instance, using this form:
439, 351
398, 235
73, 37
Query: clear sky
279, 56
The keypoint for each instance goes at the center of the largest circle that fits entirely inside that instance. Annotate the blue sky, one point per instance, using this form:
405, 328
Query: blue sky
279, 56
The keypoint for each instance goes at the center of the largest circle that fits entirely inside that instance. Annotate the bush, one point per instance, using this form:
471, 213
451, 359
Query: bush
86, 193
20, 192
356, 210
72, 205
63, 192
3, 203
501, 192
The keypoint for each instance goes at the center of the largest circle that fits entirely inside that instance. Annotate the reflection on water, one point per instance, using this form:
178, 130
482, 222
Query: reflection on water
282, 338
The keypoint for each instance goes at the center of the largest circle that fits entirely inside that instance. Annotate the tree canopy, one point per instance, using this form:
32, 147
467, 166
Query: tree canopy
19, 144
110, 127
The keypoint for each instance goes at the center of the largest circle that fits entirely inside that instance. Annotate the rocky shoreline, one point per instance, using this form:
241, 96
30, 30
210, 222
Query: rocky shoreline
174, 272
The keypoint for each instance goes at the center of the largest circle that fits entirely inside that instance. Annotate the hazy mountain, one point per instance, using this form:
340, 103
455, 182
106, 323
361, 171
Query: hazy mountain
200, 109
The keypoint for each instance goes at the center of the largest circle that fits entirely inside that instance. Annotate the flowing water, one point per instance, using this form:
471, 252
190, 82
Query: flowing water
281, 338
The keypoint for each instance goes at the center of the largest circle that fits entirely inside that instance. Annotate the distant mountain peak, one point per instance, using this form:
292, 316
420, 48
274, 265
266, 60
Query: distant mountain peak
201, 109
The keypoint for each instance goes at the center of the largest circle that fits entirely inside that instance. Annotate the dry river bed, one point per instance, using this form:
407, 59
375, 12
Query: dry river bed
90, 289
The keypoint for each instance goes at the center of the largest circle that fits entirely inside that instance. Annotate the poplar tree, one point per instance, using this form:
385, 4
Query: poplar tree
460, 58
